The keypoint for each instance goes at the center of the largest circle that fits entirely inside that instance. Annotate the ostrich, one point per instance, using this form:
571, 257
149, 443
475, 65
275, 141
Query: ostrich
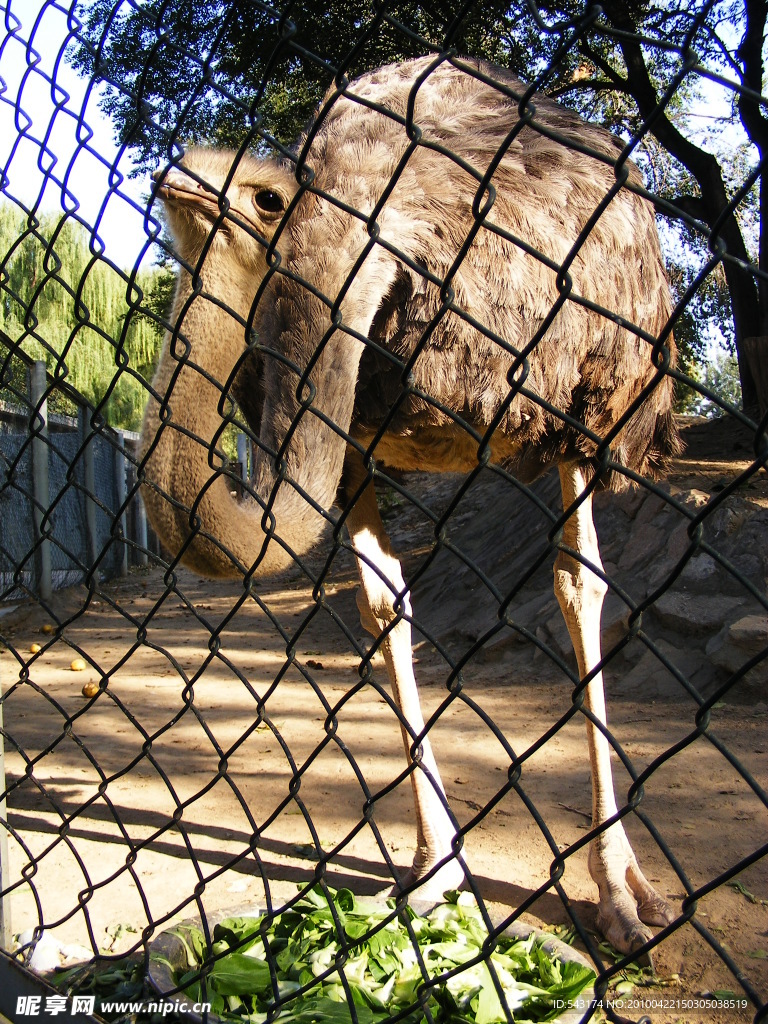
443, 274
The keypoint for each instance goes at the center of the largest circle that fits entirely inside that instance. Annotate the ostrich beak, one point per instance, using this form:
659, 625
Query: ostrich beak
175, 186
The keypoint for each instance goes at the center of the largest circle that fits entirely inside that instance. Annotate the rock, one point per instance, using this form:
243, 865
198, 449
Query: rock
557, 635
652, 507
699, 568
554, 636
678, 543
651, 678
748, 565
751, 632
614, 621
748, 548
648, 677
694, 499
736, 643
728, 518
528, 614
642, 546
629, 501
694, 612
531, 612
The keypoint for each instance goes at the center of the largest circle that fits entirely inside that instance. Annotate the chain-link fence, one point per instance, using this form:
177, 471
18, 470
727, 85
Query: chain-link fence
63, 508
418, 337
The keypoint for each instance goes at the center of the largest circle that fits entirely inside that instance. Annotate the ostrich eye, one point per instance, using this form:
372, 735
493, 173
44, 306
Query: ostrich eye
269, 202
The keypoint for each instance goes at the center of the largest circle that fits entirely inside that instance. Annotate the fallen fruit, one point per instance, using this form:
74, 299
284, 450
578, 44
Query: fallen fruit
90, 689
78, 665
48, 628
34, 648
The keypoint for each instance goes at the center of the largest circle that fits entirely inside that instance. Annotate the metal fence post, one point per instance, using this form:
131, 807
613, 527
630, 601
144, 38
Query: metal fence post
6, 939
141, 531
89, 484
40, 485
243, 446
138, 514
120, 464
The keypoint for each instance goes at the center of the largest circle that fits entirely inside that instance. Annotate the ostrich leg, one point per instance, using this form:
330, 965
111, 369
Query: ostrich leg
381, 590
626, 897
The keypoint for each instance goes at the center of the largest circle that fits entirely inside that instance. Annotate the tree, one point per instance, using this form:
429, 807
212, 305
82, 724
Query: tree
724, 38
61, 304
218, 70
242, 73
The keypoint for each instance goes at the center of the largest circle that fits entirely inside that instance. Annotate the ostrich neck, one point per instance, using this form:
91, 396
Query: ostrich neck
208, 340
182, 468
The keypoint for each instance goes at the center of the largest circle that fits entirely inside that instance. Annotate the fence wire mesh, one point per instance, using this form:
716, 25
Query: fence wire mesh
61, 470
177, 746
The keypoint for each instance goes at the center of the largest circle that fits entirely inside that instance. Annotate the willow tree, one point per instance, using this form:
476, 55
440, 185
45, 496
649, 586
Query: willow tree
92, 324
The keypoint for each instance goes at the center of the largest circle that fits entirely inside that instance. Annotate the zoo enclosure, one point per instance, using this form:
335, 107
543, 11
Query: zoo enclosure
36, 769
65, 514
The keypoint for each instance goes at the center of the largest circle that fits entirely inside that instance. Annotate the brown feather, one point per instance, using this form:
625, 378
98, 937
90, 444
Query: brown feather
546, 191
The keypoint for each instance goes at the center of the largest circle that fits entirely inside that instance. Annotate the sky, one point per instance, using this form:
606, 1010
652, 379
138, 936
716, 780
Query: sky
45, 153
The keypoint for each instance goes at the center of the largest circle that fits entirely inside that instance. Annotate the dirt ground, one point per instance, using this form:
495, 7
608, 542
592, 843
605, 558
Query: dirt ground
166, 784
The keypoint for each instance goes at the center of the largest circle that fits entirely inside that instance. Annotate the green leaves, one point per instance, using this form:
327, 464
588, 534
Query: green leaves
339, 960
240, 975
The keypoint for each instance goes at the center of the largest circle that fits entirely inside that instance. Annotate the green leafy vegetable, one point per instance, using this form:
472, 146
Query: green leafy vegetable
335, 959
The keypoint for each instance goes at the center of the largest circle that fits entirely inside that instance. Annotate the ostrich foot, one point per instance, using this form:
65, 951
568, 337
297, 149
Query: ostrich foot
449, 876
628, 902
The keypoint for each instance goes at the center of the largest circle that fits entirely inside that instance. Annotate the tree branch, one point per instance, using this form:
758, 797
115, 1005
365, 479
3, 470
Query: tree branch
584, 85
745, 299
722, 49
602, 65
750, 53
690, 207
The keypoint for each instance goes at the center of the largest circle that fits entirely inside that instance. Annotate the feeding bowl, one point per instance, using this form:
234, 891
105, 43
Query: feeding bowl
170, 957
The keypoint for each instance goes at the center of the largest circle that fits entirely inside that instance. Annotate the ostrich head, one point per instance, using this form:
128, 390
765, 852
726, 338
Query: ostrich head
229, 207
223, 211
243, 197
